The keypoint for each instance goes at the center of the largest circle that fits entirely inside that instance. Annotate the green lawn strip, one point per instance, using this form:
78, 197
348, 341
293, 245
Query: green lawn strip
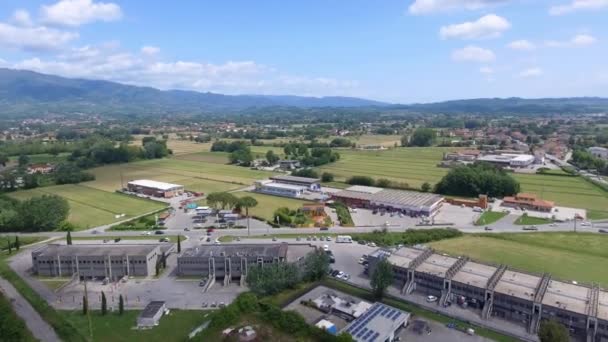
414, 309
301, 235
565, 255
525, 220
489, 217
62, 327
596, 214
16, 330
153, 237
23, 240
114, 327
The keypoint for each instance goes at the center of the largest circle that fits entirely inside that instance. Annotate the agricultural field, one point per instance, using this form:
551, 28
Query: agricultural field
568, 256
205, 157
267, 204
567, 191
411, 165
194, 175
90, 207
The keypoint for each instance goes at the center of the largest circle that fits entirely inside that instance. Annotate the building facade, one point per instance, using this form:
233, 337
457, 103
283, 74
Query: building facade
96, 261
155, 189
278, 189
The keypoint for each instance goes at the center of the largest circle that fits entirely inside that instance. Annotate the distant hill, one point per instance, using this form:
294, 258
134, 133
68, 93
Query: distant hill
27, 91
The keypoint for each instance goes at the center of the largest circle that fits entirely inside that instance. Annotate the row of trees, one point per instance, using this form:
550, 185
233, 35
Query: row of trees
315, 156
476, 179
227, 200
385, 183
240, 152
37, 214
97, 151
587, 161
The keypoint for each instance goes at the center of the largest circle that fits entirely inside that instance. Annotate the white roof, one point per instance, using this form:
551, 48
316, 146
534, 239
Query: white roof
324, 324
283, 186
146, 183
364, 189
523, 157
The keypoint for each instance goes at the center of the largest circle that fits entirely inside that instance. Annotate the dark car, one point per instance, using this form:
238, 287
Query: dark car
362, 242
605, 231
159, 232
334, 273
324, 228
487, 228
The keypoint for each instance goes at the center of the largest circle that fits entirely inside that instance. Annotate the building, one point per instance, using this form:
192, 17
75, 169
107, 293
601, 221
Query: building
96, 261
508, 159
497, 291
230, 262
278, 189
598, 152
151, 314
328, 326
528, 201
378, 323
311, 184
330, 302
154, 188
42, 168
288, 165
408, 202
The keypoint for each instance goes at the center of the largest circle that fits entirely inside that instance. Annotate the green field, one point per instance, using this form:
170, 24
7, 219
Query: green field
90, 207
267, 204
525, 220
489, 217
570, 256
113, 327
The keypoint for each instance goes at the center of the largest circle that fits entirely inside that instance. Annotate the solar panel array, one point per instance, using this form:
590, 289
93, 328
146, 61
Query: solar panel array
359, 329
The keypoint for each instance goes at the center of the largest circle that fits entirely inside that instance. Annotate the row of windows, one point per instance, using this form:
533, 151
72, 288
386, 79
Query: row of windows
96, 262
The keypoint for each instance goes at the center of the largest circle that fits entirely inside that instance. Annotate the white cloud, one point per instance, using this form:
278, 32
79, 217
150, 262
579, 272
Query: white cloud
488, 26
433, 6
150, 50
578, 5
486, 70
79, 12
580, 40
232, 77
34, 38
529, 73
473, 53
522, 45
21, 18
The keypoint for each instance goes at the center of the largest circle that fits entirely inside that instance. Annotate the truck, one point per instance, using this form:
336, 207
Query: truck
344, 239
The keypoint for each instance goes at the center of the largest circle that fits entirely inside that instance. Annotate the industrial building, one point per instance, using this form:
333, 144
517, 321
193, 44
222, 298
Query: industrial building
379, 323
278, 189
154, 188
408, 202
508, 159
500, 292
311, 184
230, 261
96, 261
151, 314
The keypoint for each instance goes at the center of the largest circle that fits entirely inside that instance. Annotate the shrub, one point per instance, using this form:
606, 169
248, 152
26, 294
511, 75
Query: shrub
327, 177
361, 180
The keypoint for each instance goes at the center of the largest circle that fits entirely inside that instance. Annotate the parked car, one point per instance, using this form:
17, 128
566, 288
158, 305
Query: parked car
324, 228
372, 244
488, 229
603, 231
326, 248
186, 229
328, 238
431, 299
361, 242
159, 232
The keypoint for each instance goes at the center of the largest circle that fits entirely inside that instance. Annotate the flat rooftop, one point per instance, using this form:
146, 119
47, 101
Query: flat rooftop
151, 309
54, 250
436, 265
288, 178
377, 323
404, 256
364, 189
517, 284
602, 312
567, 296
238, 250
406, 198
475, 274
146, 183
282, 186
297, 251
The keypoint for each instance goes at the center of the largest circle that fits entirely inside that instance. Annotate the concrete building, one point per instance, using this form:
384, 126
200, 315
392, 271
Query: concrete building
379, 323
598, 152
278, 189
311, 184
151, 314
96, 261
508, 159
154, 188
408, 202
230, 261
499, 292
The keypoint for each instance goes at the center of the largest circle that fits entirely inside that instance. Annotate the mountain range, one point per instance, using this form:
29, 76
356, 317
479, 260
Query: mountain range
25, 93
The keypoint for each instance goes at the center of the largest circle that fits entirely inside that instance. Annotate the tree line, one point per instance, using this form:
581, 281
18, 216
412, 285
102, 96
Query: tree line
37, 214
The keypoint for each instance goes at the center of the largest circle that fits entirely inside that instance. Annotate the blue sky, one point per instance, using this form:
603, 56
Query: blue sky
400, 51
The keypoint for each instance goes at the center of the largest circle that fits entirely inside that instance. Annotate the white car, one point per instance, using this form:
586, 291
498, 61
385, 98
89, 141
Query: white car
372, 244
431, 299
340, 275
325, 248
361, 260
328, 238
586, 224
217, 242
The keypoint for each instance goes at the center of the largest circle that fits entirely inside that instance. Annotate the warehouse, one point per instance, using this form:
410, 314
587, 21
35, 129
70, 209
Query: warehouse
230, 262
279, 189
311, 184
96, 261
495, 291
408, 202
507, 159
155, 189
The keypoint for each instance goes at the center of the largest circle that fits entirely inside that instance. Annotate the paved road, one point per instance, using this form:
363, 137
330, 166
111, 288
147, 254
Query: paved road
39, 328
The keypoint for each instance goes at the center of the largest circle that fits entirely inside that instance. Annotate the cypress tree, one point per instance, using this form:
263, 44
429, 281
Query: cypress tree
179, 244
85, 305
121, 305
68, 238
17, 244
104, 304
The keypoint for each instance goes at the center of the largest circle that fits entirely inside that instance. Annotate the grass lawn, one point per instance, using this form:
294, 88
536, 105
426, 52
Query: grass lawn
267, 204
525, 220
206, 157
489, 217
114, 327
16, 323
53, 284
23, 240
570, 256
91, 207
